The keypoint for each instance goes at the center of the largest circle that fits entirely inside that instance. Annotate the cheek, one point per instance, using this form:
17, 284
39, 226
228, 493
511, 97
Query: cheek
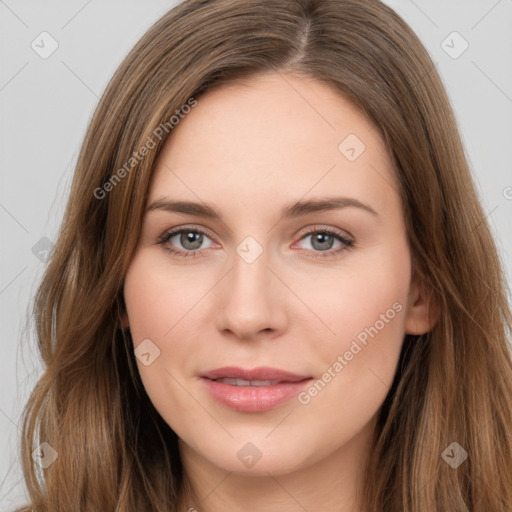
155, 304
365, 294
366, 307
159, 296
163, 302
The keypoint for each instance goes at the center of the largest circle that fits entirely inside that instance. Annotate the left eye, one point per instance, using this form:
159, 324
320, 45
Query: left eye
324, 240
191, 241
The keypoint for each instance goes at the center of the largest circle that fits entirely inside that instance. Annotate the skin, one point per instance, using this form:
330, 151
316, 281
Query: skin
250, 149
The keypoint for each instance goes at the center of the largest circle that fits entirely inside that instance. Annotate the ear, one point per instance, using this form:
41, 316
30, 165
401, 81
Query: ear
422, 310
125, 322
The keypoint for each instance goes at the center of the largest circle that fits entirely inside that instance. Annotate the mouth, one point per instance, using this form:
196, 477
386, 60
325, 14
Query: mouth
256, 375
241, 382
253, 390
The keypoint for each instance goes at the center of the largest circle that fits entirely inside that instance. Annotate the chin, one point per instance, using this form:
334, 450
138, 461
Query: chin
259, 458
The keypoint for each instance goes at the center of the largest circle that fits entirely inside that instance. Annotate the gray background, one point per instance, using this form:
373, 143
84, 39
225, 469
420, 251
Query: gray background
46, 104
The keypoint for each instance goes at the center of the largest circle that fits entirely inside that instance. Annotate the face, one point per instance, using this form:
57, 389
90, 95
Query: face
268, 337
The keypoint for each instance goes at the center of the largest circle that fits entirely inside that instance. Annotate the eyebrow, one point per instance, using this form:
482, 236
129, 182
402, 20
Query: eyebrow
298, 209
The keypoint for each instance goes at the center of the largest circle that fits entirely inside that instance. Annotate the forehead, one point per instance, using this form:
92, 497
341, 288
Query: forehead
248, 141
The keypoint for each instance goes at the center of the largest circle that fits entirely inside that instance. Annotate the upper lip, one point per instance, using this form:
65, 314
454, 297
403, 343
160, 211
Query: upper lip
260, 373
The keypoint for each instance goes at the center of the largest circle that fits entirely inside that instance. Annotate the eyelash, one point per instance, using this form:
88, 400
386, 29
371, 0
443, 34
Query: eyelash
347, 244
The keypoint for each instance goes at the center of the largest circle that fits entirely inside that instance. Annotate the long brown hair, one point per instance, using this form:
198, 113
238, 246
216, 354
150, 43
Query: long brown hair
453, 384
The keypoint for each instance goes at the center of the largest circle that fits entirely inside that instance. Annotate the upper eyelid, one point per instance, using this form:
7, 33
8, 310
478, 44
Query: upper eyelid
173, 231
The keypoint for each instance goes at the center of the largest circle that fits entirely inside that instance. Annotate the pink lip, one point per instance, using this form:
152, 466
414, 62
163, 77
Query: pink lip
254, 398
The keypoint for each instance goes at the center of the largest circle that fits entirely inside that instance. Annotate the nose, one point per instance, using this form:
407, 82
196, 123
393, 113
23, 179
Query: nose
252, 301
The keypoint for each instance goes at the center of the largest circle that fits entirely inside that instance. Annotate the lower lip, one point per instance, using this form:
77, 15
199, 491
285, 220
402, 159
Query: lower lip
254, 398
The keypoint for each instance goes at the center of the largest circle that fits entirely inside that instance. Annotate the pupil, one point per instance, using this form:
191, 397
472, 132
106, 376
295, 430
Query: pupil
192, 238
325, 244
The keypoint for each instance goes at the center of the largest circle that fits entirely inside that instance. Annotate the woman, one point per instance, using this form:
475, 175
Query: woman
274, 287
